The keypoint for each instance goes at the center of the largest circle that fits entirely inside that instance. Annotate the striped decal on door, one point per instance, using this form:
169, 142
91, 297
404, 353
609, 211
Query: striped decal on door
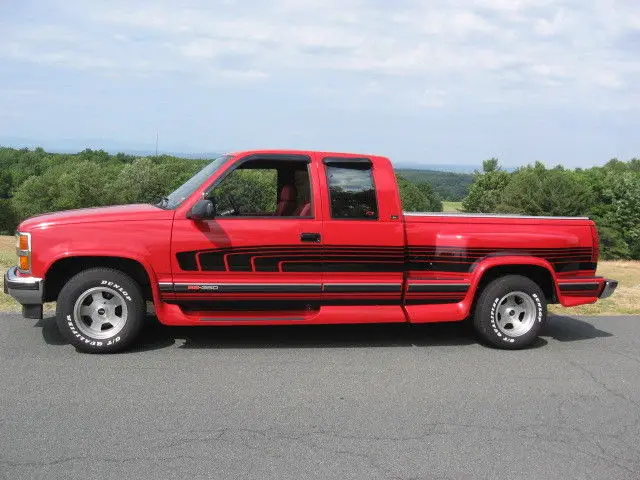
355, 258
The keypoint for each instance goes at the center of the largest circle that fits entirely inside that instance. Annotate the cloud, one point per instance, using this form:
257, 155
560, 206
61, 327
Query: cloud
488, 50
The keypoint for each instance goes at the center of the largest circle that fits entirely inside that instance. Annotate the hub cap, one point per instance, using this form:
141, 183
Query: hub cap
100, 312
516, 314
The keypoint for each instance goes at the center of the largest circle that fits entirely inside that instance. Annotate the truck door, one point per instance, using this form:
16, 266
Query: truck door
262, 249
363, 234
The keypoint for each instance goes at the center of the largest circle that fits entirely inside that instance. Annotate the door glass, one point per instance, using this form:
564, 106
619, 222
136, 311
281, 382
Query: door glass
265, 189
351, 191
247, 192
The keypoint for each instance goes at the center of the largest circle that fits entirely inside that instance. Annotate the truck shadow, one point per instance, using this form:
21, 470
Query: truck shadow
571, 329
314, 336
156, 336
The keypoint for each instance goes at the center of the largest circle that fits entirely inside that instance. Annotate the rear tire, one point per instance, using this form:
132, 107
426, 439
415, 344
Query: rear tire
100, 310
510, 312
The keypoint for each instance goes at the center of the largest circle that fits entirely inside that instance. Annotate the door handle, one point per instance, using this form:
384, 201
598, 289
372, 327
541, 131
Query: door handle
310, 237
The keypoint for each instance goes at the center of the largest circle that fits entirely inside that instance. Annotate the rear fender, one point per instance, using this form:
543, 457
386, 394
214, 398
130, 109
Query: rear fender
486, 265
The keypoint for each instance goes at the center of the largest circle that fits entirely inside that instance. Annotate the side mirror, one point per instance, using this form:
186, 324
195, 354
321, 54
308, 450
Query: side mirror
203, 210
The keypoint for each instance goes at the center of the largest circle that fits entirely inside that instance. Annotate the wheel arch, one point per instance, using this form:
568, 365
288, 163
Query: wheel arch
536, 269
64, 268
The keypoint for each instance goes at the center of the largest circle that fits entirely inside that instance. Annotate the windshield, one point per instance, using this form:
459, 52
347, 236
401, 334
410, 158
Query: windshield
176, 197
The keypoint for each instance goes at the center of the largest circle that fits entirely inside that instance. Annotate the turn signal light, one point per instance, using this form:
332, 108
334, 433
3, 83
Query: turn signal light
24, 263
23, 242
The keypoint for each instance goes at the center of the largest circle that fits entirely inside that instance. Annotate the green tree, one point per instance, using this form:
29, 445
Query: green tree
6, 183
620, 212
37, 194
417, 198
8, 219
146, 180
485, 194
540, 191
435, 203
87, 184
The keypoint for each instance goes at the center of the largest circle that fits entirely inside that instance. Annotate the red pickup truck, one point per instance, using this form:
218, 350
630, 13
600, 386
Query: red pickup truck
298, 237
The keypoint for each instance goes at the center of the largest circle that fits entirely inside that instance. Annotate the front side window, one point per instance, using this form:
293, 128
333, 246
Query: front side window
263, 188
351, 190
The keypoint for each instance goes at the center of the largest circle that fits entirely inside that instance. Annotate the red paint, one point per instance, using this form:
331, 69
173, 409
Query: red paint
416, 253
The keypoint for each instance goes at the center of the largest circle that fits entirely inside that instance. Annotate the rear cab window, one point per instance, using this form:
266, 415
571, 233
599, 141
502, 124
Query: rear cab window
352, 192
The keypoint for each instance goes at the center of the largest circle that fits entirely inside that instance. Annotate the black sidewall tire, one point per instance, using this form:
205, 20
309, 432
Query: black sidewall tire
82, 282
484, 315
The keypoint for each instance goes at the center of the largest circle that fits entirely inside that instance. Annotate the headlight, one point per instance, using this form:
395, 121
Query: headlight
23, 249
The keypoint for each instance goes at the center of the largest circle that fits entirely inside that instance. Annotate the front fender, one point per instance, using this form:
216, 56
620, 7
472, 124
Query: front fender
135, 256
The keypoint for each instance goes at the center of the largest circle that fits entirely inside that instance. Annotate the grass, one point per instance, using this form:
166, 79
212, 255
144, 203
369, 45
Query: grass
7, 259
451, 207
626, 299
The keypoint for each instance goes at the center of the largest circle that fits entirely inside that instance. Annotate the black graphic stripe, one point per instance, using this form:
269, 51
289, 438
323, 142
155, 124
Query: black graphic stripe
362, 287
579, 287
438, 287
354, 258
574, 267
432, 301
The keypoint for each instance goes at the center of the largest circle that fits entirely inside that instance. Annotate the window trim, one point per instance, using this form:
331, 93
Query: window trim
337, 161
287, 157
341, 160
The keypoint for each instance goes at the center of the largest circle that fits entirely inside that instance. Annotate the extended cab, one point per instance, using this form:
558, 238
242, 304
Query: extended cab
296, 237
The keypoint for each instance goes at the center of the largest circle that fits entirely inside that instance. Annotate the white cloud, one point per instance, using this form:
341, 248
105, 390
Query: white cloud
549, 49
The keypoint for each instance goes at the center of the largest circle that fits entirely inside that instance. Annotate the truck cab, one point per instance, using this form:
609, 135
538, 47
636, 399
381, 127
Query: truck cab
296, 237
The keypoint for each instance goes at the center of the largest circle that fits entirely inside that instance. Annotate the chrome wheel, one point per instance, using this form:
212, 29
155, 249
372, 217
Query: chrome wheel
515, 314
100, 312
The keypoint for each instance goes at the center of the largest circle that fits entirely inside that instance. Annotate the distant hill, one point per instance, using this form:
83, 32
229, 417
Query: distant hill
449, 186
450, 181
437, 167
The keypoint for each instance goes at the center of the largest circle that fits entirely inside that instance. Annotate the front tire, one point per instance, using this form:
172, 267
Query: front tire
510, 312
100, 310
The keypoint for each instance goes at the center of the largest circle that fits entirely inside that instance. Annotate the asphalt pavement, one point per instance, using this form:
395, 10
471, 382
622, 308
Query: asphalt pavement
344, 402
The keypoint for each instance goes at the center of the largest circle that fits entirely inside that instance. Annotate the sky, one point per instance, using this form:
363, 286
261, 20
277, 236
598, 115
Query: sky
423, 82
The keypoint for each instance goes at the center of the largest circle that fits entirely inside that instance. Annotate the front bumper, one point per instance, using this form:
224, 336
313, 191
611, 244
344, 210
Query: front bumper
28, 291
609, 287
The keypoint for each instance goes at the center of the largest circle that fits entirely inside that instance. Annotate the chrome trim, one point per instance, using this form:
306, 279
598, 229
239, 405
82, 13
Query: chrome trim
487, 215
224, 284
26, 234
363, 284
609, 287
217, 288
26, 290
26, 253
